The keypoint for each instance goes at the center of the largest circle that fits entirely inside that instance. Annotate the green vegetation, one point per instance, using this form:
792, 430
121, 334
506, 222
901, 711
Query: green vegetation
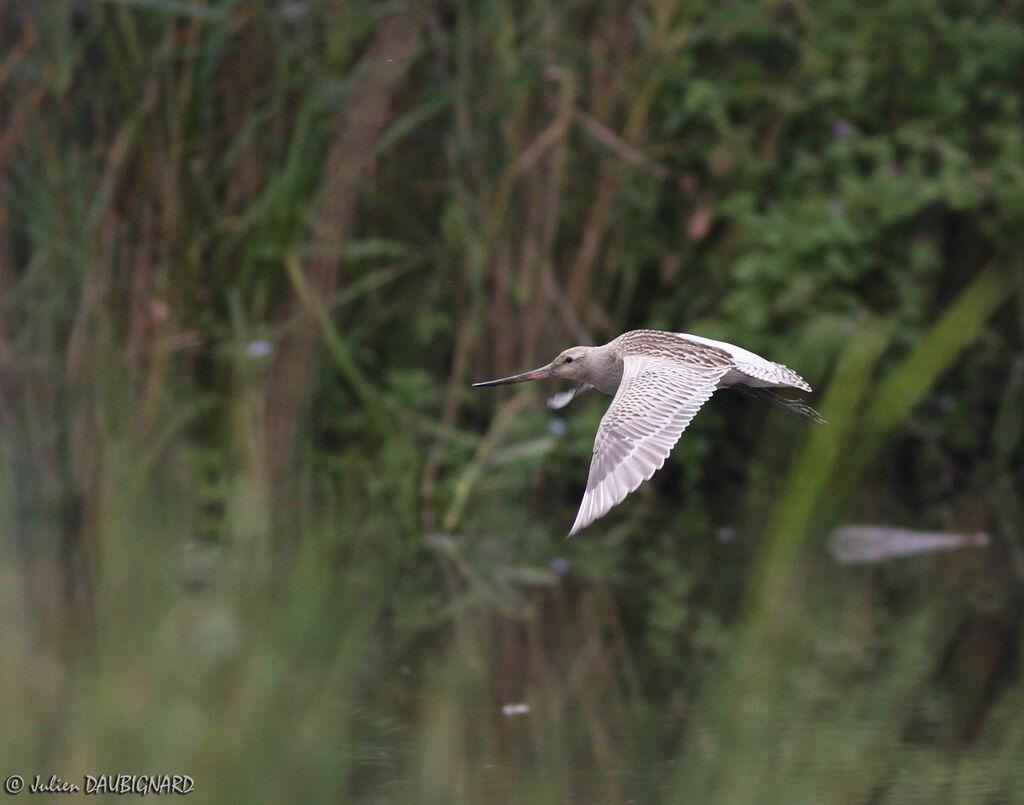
255, 527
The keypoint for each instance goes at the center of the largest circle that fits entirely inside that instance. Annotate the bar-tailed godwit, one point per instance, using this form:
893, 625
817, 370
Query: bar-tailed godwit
660, 380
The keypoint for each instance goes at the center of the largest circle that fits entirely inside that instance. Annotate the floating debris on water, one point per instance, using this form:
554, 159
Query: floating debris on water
516, 709
443, 542
860, 544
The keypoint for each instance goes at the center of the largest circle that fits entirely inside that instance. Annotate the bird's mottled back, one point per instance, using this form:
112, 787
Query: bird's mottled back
659, 344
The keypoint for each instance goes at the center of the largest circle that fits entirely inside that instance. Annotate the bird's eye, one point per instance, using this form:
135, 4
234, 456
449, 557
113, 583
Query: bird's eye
568, 358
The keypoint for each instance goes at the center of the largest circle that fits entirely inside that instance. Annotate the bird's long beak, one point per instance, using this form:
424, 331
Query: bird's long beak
536, 374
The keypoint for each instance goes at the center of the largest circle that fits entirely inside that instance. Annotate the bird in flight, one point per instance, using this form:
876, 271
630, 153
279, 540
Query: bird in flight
659, 381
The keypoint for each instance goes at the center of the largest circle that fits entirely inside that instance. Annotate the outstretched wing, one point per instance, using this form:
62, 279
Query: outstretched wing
656, 400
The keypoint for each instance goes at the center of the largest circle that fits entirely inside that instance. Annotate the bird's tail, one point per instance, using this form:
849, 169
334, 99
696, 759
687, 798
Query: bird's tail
797, 408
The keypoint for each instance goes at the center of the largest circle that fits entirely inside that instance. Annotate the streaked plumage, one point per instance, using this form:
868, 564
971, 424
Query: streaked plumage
660, 381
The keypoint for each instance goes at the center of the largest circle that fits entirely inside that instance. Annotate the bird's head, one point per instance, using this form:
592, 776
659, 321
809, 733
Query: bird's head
575, 363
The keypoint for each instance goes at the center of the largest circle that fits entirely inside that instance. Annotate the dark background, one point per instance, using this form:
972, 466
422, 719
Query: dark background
255, 527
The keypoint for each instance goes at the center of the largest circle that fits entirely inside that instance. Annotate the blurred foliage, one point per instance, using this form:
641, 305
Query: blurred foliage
256, 527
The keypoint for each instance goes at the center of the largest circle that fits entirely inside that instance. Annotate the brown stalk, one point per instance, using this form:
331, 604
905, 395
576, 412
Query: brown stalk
10, 135
504, 334
539, 278
608, 138
599, 218
374, 86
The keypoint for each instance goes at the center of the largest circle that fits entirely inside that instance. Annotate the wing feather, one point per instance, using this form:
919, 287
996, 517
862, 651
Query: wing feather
657, 398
